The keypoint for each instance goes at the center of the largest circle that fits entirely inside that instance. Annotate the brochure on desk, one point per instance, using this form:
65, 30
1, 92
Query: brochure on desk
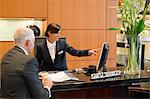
61, 76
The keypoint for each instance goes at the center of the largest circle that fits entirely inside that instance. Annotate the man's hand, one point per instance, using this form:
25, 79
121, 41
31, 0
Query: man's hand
43, 76
93, 51
47, 82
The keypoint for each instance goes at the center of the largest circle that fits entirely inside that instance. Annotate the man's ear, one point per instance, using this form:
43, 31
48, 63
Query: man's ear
27, 43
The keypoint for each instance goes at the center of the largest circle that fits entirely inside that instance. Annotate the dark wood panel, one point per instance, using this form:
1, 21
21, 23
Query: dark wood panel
4, 47
105, 93
84, 39
111, 10
83, 22
111, 63
78, 14
107, 88
72, 64
23, 8
111, 39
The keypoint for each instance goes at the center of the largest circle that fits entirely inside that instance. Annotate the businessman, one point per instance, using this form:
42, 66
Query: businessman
51, 54
20, 71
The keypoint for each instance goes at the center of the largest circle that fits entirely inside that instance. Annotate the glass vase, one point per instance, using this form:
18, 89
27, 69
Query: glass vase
133, 55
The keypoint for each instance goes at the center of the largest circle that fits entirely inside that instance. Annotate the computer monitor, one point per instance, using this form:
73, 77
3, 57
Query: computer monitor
103, 57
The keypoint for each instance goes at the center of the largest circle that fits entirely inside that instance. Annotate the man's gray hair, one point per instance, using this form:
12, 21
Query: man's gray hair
23, 34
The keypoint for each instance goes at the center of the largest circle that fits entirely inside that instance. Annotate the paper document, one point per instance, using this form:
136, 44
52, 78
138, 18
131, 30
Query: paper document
61, 76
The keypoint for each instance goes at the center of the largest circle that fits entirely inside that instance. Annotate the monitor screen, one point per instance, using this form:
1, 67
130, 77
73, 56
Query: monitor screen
103, 56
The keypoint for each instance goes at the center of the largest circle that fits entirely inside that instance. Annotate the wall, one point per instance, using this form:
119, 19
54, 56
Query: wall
23, 8
84, 24
4, 47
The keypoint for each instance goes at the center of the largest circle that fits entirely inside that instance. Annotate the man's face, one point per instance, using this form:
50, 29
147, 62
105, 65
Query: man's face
54, 36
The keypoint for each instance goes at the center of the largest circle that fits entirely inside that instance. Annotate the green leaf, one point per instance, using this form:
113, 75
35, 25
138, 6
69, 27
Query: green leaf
114, 29
139, 27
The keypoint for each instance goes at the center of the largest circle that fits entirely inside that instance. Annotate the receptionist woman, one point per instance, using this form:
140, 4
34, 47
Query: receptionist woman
51, 54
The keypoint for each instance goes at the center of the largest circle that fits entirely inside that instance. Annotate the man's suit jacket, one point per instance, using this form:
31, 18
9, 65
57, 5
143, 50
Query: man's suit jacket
20, 76
44, 58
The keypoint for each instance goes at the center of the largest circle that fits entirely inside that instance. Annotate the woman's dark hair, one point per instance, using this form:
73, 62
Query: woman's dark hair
35, 29
53, 28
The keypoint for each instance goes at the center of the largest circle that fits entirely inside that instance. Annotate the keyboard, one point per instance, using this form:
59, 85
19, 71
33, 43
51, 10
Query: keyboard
105, 74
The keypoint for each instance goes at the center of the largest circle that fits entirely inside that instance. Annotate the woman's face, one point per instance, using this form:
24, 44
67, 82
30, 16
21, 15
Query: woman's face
53, 36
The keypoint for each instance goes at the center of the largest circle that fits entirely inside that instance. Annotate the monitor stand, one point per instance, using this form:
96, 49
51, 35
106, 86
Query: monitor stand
104, 69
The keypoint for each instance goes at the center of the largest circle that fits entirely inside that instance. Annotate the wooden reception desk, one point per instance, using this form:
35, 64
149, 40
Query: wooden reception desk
115, 87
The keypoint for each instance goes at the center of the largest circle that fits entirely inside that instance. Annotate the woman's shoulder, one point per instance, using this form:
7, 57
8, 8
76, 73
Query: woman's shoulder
41, 44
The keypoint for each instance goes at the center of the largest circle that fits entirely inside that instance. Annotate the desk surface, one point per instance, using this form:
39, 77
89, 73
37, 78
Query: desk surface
86, 83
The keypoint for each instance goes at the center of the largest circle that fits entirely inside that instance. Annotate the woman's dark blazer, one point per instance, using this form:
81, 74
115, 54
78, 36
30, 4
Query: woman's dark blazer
43, 56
